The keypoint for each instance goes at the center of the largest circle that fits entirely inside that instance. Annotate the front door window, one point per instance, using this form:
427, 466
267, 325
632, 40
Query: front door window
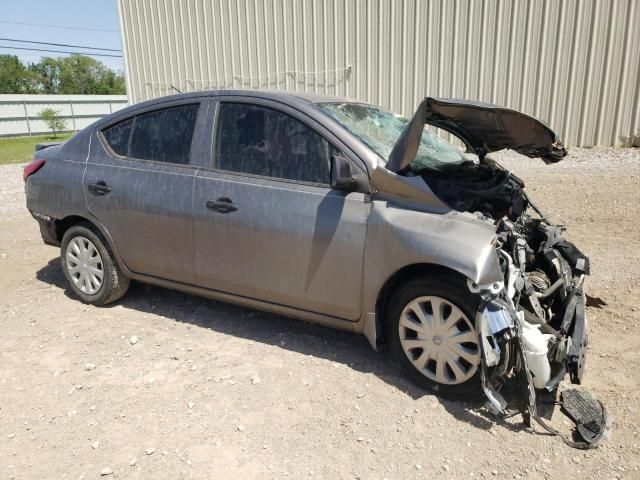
262, 141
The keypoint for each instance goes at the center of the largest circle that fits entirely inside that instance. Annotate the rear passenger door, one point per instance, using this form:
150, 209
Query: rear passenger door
267, 224
139, 184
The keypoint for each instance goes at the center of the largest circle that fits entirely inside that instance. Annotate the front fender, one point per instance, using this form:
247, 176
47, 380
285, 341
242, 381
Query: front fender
398, 237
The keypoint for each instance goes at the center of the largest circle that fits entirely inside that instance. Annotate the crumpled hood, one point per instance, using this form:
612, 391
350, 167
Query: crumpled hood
483, 127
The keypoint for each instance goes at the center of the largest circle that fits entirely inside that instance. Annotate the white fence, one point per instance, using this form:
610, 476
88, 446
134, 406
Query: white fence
19, 113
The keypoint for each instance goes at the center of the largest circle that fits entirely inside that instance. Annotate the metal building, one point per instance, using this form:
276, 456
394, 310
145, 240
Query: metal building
575, 64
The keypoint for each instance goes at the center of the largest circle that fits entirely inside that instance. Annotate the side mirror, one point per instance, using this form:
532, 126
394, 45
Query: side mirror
341, 175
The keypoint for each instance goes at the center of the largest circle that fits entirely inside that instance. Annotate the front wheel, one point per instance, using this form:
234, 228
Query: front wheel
89, 266
430, 326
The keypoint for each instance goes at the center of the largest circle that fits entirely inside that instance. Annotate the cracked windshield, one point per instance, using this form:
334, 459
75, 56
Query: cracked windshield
380, 129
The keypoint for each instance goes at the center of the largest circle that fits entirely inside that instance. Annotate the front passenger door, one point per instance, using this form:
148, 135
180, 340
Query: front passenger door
267, 225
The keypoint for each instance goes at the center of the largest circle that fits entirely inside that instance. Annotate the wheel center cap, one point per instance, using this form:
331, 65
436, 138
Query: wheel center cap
437, 339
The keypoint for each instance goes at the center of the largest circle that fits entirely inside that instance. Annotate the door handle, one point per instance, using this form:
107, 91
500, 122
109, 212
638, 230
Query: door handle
99, 188
222, 205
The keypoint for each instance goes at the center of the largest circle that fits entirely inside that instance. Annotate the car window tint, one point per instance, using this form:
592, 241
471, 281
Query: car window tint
117, 136
164, 135
263, 141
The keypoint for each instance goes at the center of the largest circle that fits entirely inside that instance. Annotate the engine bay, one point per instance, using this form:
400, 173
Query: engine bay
532, 328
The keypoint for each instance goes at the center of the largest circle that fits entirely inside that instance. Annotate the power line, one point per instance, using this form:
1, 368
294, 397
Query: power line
68, 27
60, 44
61, 51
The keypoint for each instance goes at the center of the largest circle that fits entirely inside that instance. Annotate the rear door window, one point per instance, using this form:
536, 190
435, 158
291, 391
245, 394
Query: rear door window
162, 135
263, 141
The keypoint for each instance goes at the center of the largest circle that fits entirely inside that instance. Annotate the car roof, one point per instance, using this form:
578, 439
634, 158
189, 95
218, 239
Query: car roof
307, 97
279, 95
303, 101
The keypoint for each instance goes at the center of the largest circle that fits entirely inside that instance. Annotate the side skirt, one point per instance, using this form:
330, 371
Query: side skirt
325, 320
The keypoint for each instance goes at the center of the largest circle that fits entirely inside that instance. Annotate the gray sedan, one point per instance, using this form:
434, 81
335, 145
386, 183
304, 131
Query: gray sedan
335, 212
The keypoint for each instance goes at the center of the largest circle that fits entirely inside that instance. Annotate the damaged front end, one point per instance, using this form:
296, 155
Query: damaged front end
531, 323
532, 327
532, 332
543, 295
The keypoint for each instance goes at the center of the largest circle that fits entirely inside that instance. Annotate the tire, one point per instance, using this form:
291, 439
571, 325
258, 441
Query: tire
444, 358
84, 253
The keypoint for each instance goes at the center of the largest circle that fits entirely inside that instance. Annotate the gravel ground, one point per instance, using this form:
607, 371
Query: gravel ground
209, 390
12, 191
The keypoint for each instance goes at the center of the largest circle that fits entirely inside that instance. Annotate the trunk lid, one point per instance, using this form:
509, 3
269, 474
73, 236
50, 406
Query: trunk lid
42, 146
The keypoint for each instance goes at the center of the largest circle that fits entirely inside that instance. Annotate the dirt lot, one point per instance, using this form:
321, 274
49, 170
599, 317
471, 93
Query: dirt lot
216, 391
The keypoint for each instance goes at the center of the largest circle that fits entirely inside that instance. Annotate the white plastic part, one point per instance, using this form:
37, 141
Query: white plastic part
493, 288
513, 273
535, 345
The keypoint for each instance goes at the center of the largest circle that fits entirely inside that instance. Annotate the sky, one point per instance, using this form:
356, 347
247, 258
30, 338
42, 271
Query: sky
79, 14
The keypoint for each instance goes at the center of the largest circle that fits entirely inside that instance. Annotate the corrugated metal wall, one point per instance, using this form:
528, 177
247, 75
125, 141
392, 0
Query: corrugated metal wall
573, 63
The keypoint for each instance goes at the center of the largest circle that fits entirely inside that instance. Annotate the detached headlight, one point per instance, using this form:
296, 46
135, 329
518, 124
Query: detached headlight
494, 324
498, 318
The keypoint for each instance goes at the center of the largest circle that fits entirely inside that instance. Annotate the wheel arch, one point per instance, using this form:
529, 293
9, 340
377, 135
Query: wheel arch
64, 224
400, 277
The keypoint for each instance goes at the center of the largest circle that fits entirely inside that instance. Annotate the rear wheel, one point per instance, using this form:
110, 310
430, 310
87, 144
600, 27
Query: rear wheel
430, 325
89, 266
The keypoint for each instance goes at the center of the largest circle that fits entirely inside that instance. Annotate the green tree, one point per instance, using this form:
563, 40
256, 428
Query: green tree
14, 76
85, 75
52, 118
47, 75
76, 74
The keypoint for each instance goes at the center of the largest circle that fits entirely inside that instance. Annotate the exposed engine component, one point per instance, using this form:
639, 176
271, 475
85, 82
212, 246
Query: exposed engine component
531, 327
479, 187
539, 280
536, 349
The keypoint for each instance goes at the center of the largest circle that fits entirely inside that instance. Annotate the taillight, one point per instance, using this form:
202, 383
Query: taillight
32, 168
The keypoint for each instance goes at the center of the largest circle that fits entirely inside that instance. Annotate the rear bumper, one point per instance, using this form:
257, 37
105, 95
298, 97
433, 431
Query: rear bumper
47, 228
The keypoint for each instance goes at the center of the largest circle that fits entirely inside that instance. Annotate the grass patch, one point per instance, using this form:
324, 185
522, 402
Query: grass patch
20, 149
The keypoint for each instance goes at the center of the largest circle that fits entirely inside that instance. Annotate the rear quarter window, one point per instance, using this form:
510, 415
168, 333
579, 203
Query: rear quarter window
118, 135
